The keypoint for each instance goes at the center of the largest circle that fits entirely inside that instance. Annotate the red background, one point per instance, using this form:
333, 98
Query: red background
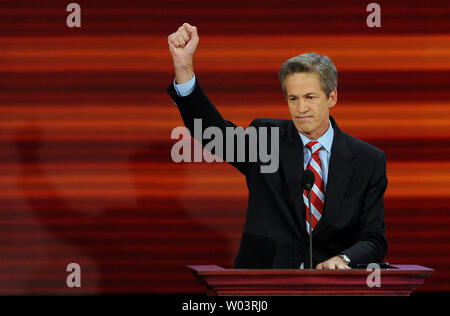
85, 124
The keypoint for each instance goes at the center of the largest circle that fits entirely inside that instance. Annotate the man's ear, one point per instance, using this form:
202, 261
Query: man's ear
332, 99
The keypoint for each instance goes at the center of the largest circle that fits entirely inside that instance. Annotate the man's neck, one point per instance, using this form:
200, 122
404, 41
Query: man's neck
315, 136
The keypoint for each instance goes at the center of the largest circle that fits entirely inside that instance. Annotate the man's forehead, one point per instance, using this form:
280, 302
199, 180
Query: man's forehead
311, 83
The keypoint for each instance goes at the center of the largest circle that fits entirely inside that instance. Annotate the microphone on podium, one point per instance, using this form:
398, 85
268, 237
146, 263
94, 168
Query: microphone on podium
307, 184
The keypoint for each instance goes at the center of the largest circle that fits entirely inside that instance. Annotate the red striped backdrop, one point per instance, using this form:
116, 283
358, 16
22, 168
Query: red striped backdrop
85, 125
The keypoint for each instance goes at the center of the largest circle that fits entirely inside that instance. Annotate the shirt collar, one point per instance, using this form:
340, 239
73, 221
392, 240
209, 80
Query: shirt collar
326, 140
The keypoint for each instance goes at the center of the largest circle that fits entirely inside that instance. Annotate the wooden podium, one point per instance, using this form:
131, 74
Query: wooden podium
397, 280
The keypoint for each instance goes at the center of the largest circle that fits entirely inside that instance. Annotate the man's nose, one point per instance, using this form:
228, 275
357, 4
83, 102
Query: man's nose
302, 106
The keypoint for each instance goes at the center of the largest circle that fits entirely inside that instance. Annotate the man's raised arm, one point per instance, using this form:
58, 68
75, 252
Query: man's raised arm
194, 105
182, 45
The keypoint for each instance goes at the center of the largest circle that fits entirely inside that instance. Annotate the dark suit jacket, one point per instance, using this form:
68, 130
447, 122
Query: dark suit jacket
275, 233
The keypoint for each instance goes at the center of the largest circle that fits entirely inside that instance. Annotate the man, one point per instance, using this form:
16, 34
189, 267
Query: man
350, 175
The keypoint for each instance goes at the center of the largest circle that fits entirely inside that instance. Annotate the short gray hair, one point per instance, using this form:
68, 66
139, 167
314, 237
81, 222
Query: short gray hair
311, 62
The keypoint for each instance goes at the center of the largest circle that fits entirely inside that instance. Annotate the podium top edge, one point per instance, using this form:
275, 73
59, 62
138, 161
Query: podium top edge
397, 269
206, 268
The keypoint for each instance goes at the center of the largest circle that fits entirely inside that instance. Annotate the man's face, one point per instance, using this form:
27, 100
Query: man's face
308, 103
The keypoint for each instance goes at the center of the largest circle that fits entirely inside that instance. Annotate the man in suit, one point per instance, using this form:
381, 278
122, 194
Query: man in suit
350, 175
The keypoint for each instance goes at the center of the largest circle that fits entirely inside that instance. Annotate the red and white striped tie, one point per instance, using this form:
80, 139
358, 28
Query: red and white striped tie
317, 191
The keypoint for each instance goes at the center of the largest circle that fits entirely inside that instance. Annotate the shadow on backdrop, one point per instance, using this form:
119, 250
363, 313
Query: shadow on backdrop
137, 248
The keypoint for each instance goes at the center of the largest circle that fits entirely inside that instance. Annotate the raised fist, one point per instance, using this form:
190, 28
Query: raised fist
182, 44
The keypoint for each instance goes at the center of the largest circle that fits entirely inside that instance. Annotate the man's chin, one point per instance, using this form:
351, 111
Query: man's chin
303, 129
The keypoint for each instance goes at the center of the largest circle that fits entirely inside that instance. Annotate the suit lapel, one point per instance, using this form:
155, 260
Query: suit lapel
339, 175
291, 160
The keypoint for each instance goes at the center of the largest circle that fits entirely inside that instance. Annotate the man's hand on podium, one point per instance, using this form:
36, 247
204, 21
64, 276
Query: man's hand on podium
333, 263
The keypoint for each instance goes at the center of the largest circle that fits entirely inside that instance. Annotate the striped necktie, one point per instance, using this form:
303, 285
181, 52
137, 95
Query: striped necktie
317, 191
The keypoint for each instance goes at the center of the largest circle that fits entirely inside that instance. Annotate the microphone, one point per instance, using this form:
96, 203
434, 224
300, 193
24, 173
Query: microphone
308, 179
307, 184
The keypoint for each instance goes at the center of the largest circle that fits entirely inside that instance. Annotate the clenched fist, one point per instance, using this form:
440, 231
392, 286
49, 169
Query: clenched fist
182, 46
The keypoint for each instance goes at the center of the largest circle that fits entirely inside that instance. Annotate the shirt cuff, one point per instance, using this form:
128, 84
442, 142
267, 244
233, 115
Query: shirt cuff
184, 89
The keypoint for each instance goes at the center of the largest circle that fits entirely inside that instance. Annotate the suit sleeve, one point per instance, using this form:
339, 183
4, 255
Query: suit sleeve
196, 105
371, 244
